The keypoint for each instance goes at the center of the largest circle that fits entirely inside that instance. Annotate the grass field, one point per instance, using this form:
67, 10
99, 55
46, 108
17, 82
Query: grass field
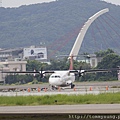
107, 98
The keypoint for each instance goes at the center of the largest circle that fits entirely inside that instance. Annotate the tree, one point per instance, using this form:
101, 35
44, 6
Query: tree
109, 61
35, 65
104, 53
20, 79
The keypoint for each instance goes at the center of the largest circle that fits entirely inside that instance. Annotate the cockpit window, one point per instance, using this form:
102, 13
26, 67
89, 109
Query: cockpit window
56, 76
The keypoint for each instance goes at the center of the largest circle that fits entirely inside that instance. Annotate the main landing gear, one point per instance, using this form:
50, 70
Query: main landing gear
72, 86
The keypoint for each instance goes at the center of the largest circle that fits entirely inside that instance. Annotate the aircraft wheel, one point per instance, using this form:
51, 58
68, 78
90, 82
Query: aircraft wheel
72, 86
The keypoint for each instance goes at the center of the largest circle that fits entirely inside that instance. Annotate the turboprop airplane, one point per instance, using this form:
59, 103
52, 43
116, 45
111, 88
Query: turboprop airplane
67, 77
62, 78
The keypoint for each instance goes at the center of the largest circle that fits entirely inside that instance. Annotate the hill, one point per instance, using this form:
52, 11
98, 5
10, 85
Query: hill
56, 24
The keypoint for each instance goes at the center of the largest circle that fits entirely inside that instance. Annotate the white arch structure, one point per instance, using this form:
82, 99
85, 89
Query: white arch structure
80, 37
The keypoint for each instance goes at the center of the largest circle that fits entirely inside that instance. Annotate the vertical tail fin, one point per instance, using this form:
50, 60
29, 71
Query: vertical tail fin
71, 63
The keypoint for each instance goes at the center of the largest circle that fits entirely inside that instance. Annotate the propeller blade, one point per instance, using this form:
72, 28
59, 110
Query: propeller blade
79, 73
41, 72
34, 73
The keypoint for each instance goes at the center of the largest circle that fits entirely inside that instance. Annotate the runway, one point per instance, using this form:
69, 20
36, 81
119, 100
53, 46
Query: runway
80, 88
86, 108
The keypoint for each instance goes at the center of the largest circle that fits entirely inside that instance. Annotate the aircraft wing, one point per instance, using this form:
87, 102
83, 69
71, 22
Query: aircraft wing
35, 73
97, 70
20, 71
80, 72
101, 70
43, 72
89, 71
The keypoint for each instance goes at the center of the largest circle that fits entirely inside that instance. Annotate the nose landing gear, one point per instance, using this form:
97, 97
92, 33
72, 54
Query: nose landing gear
54, 88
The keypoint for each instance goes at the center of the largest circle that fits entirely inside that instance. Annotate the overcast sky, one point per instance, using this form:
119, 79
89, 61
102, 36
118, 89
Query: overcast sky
17, 3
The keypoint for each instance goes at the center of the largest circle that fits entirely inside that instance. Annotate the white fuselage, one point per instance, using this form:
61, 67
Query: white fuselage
61, 78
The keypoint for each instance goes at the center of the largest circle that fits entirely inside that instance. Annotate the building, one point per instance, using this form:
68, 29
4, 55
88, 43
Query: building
11, 54
14, 59
28, 53
35, 53
11, 66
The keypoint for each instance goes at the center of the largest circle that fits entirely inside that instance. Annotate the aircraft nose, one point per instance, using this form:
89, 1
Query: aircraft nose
54, 81
51, 81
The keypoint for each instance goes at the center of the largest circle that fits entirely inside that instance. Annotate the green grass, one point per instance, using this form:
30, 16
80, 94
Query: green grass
107, 98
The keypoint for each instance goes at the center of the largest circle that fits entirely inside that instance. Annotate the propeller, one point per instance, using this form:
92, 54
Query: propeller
35, 73
80, 73
41, 73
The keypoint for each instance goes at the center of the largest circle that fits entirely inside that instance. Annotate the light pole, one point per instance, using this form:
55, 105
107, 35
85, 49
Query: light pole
118, 73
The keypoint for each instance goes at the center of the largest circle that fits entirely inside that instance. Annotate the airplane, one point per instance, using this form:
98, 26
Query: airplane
67, 77
62, 78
